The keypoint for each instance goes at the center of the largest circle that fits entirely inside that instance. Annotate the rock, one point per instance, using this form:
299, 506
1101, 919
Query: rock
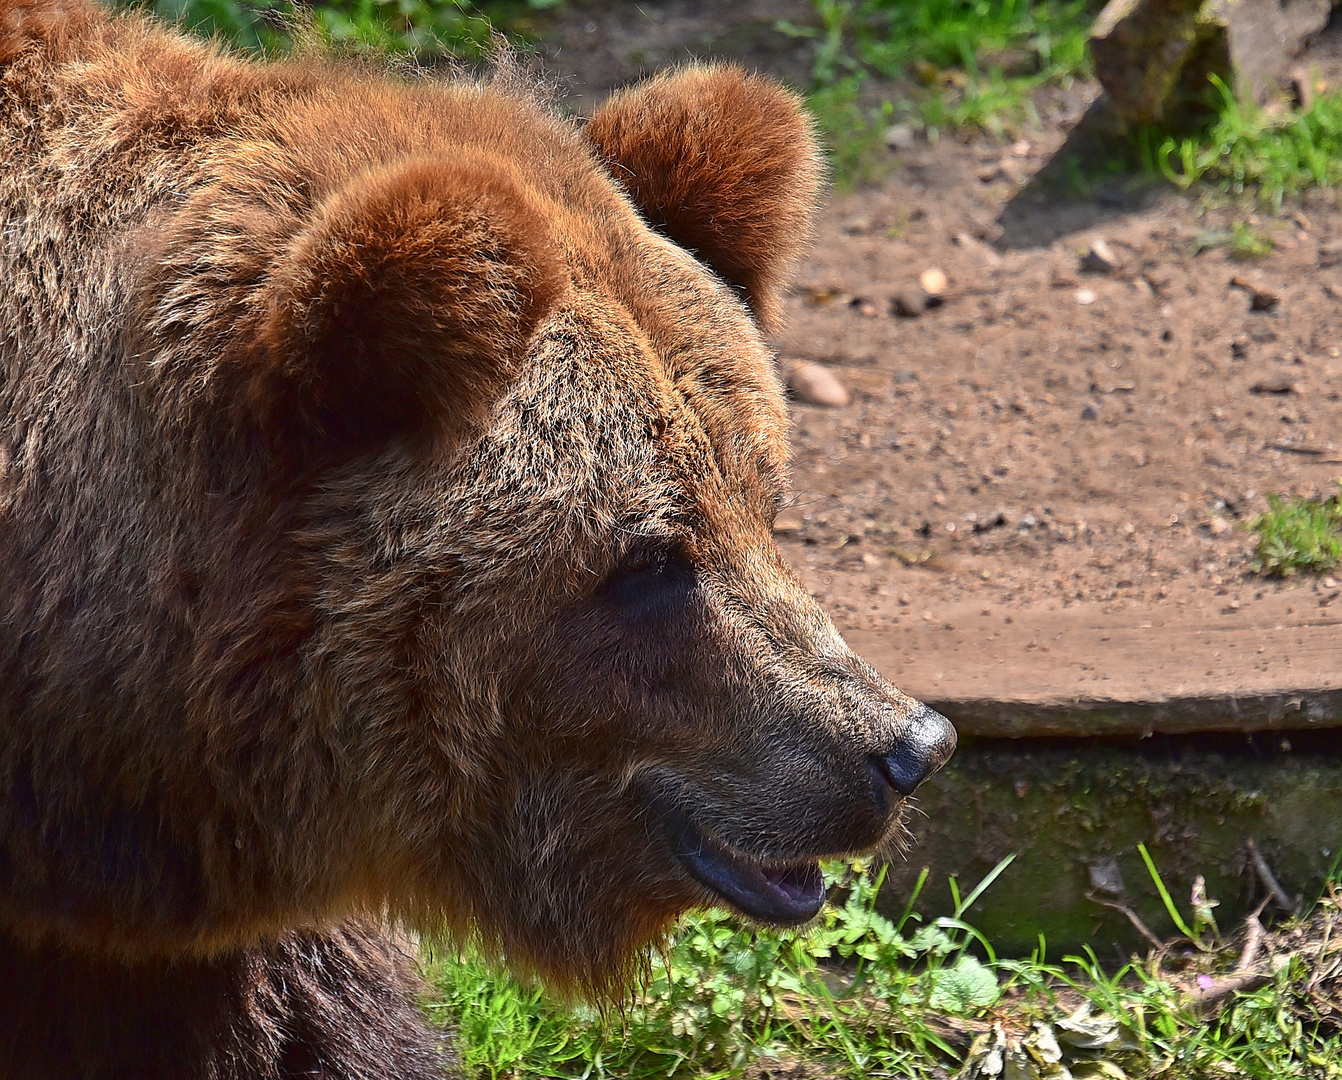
908, 303
789, 522
1105, 877
1089, 413
816, 385
1153, 57
1278, 383
933, 281
1086, 296
1330, 254
1219, 526
988, 522
1103, 382
1099, 258
900, 138
1260, 298
864, 307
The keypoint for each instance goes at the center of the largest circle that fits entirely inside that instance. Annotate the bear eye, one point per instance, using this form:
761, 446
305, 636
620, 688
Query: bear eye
650, 581
642, 560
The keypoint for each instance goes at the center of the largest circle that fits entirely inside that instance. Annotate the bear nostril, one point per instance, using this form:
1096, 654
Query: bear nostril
923, 748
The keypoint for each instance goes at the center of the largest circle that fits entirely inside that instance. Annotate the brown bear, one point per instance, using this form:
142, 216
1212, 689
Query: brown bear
387, 470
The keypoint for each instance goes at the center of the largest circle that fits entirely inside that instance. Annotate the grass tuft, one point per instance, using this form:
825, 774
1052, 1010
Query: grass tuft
1300, 534
1248, 149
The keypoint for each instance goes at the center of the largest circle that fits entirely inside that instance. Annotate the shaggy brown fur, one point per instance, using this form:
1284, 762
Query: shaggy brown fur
385, 522
263, 1013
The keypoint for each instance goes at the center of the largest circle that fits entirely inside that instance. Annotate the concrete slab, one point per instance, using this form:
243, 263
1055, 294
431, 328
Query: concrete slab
1085, 670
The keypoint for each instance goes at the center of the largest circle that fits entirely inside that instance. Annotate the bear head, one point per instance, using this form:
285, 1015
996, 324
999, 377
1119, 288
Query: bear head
449, 588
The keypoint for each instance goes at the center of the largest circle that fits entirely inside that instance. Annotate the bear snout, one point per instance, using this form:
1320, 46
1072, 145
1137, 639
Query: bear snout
922, 747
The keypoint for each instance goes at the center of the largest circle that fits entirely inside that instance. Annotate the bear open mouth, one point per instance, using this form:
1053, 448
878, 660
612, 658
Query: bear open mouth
783, 893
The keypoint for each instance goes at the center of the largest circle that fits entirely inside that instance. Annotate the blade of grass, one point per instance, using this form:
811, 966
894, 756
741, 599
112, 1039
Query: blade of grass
1165, 897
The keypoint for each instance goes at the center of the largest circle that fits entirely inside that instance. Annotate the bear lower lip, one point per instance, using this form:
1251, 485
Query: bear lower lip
781, 893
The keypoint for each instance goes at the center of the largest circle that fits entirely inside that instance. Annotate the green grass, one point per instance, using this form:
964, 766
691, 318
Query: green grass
424, 28
1247, 149
862, 995
977, 64
1299, 534
967, 63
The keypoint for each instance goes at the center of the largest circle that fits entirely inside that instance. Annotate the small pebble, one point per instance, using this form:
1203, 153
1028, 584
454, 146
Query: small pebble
1099, 259
1260, 298
817, 385
1086, 296
1274, 384
933, 281
900, 137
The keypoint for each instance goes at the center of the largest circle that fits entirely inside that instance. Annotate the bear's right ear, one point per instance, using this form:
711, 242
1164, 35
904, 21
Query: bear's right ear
403, 307
722, 162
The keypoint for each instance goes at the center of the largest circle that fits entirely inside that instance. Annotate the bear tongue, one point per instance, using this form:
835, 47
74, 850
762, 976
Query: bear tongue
783, 895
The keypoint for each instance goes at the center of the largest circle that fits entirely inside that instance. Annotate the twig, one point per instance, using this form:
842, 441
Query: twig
1205, 999
1317, 973
1254, 940
1133, 918
1270, 883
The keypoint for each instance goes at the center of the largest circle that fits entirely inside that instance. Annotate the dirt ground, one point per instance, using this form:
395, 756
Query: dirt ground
1049, 436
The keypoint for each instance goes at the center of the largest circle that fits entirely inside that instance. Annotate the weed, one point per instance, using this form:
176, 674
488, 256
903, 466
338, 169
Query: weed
1246, 242
1242, 239
1246, 148
1302, 534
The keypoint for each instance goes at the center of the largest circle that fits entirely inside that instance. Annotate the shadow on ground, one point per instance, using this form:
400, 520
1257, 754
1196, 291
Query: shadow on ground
1092, 180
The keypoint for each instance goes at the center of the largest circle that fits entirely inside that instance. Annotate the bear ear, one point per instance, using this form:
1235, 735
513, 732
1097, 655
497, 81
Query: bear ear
404, 306
723, 163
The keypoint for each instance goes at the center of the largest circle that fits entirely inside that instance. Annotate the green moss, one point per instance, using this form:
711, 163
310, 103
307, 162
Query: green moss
1060, 811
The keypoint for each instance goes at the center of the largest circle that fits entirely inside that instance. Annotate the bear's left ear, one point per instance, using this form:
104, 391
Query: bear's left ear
404, 306
723, 163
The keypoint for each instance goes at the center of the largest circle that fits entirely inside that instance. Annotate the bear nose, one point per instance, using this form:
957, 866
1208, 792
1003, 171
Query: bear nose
927, 741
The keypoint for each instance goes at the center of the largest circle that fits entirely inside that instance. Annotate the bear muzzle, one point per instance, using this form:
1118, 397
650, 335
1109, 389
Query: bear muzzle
923, 747
790, 890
